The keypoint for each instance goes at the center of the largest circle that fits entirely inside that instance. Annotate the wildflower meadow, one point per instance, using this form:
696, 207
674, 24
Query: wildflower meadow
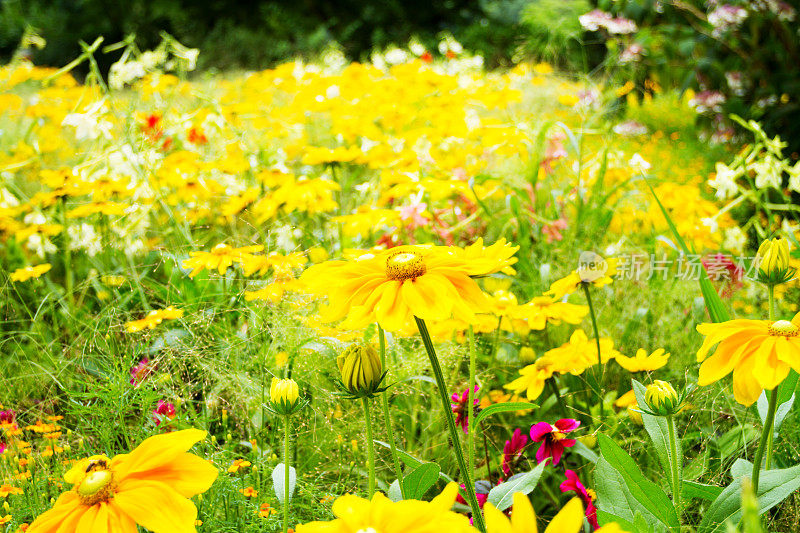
410, 293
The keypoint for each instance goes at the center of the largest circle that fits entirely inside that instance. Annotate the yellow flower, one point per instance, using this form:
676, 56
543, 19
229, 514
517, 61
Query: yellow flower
249, 492
24, 274
220, 258
392, 287
758, 352
150, 486
237, 464
153, 319
523, 519
662, 399
284, 395
642, 362
360, 368
533, 377
357, 515
568, 100
598, 273
544, 310
773, 261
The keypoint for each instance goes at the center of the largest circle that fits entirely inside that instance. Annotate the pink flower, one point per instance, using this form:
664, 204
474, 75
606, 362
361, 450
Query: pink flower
552, 232
140, 372
574, 484
412, 215
553, 438
460, 407
8, 417
164, 411
512, 450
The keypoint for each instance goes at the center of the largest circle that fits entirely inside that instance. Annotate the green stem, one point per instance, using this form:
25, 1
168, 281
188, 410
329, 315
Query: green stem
370, 447
765, 434
771, 436
477, 516
389, 430
675, 465
286, 461
601, 383
68, 276
471, 410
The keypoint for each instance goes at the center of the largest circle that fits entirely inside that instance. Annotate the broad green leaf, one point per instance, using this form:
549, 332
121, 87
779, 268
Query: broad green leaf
774, 487
692, 489
716, 307
606, 518
411, 461
623, 490
780, 413
658, 430
503, 408
502, 496
420, 480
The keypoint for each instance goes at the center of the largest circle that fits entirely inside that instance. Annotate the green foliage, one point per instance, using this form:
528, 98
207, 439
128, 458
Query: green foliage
553, 33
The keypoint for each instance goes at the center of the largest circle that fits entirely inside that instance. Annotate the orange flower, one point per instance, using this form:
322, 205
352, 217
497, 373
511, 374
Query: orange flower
149, 486
249, 492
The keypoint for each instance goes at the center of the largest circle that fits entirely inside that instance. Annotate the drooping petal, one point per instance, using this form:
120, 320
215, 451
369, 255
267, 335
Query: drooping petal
63, 516
156, 507
523, 518
186, 474
496, 521
155, 452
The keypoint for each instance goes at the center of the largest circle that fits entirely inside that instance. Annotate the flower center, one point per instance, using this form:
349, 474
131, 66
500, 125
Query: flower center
783, 328
98, 486
557, 436
401, 266
592, 494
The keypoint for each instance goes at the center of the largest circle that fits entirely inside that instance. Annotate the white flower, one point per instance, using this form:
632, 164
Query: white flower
725, 182
735, 239
84, 237
40, 245
794, 177
396, 56
768, 172
638, 163
89, 125
711, 223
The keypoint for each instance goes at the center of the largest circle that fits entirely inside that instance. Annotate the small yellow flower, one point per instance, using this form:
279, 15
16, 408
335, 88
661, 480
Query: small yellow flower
26, 273
642, 362
360, 368
773, 265
284, 395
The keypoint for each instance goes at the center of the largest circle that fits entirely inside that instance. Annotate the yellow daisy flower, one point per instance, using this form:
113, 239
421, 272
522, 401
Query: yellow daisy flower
29, 272
642, 362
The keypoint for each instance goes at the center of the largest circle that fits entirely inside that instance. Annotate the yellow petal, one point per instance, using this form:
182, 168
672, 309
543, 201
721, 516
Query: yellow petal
496, 522
523, 519
156, 451
155, 506
568, 520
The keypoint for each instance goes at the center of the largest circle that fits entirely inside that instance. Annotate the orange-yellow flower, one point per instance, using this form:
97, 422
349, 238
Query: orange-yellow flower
391, 287
150, 486
28, 272
758, 352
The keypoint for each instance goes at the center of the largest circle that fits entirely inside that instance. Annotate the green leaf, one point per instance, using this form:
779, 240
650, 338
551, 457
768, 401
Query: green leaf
412, 461
692, 489
503, 408
658, 430
607, 518
774, 487
585, 452
623, 490
715, 305
420, 480
502, 496
780, 414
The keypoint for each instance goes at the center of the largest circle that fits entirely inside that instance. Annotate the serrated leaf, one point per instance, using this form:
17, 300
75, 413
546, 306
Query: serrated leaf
503, 408
502, 496
623, 490
420, 480
278, 480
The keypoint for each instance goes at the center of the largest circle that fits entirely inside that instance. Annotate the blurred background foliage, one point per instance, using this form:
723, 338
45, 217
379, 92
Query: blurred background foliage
740, 56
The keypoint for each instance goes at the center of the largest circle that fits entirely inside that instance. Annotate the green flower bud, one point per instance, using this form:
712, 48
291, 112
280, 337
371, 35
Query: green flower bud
284, 395
361, 369
662, 399
773, 261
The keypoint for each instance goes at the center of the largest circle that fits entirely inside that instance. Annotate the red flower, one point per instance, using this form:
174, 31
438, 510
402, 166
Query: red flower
512, 450
164, 411
460, 407
426, 57
587, 495
141, 371
553, 438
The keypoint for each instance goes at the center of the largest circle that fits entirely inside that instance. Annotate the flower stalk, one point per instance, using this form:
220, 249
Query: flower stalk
477, 516
286, 467
389, 430
471, 410
601, 382
675, 465
370, 447
766, 435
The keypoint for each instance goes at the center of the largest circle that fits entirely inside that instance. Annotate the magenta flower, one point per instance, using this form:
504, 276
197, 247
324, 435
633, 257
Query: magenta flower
574, 484
140, 372
8, 417
553, 438
512, 450
459, 407
164, 411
